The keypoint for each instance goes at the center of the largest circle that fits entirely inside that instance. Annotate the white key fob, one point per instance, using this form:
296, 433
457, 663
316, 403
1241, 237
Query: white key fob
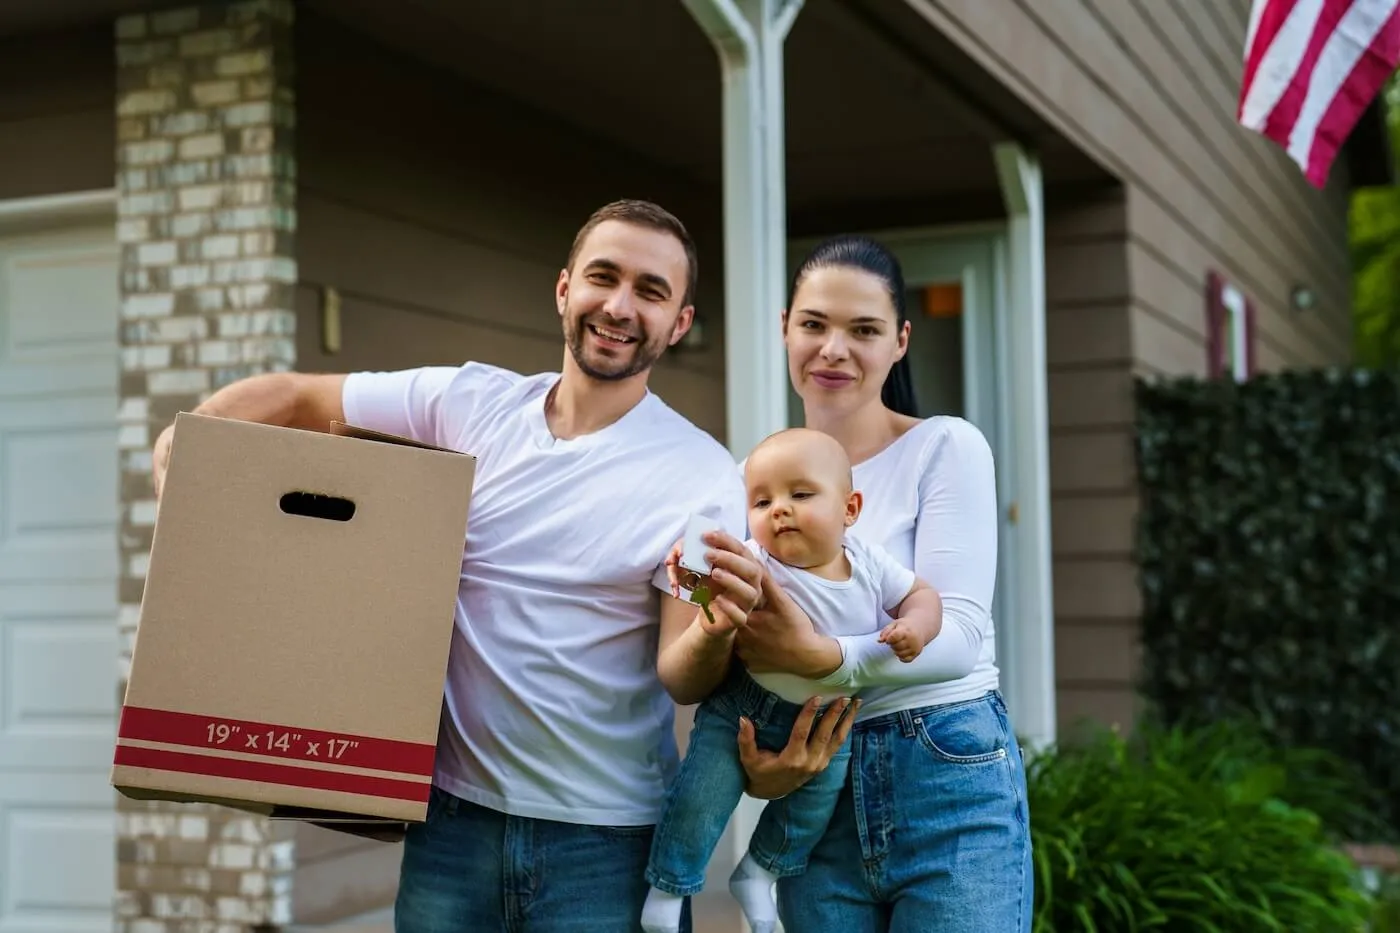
693, 551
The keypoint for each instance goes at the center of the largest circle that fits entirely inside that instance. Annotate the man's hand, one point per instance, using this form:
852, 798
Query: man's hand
160, 458
695, 648
730, 592
673, 567
701, 592
702, 597
309, 401
807, 753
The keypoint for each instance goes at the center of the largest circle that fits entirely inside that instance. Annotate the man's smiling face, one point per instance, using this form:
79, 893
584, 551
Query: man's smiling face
621, 301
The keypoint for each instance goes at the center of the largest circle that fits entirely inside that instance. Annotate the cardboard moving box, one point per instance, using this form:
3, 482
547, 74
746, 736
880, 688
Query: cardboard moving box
296, 622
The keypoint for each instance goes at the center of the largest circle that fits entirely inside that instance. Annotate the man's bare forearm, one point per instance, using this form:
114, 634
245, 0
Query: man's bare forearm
694, 664
289, 400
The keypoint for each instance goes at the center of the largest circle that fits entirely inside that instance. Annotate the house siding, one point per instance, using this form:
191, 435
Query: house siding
448, 210
1089, 359
1149, 91
57, 123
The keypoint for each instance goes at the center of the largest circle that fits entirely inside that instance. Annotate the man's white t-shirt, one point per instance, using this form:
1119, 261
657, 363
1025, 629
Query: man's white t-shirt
859, 605
553, 707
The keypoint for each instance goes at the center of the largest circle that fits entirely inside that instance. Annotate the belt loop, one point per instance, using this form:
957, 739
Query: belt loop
906, 723
768, 705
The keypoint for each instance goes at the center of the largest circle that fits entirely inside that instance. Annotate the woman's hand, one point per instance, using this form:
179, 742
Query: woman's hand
807, 753
780, 637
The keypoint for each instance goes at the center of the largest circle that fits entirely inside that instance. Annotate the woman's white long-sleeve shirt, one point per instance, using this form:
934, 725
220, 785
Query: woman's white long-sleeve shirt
930, 500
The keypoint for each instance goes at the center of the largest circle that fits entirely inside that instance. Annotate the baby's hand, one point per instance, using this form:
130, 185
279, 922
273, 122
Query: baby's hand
902, 638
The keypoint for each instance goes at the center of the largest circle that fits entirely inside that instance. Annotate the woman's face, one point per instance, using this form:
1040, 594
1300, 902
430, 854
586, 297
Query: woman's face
842, 336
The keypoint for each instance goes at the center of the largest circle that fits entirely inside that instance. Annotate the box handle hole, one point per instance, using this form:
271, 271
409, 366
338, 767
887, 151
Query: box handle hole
315, 505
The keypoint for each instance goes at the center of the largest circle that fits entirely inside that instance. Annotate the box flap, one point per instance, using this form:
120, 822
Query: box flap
341, 429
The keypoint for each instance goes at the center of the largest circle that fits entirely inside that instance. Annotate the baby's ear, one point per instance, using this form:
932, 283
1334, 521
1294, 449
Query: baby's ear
854, 502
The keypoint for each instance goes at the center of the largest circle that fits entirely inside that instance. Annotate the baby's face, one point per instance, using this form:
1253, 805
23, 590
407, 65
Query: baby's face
799, 506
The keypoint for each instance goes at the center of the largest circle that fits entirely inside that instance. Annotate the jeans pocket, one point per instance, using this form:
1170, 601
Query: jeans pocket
969, 733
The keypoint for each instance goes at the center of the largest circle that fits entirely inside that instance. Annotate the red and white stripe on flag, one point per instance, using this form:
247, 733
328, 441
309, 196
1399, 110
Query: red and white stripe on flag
1310, 68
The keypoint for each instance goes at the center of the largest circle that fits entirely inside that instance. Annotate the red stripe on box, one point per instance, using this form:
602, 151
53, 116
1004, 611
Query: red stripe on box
275, 741
265, 772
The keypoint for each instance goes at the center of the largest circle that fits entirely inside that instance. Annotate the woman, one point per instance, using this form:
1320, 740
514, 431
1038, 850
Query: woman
932, 832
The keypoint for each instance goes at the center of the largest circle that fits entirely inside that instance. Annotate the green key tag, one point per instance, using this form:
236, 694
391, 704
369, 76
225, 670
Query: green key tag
701, 597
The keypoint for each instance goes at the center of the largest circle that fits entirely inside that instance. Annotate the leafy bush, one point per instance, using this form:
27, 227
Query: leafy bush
1322, 782
1184, 831
1385, 918
1269, 551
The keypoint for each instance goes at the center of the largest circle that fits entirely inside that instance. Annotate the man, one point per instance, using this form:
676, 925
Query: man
556, 742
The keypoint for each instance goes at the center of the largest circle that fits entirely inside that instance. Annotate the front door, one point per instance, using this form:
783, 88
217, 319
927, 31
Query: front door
58, 578
955, 295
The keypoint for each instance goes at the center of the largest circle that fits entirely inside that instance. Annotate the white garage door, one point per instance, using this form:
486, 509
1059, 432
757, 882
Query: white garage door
58, 570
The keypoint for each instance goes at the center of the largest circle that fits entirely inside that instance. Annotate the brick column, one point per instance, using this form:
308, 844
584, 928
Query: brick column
206, 221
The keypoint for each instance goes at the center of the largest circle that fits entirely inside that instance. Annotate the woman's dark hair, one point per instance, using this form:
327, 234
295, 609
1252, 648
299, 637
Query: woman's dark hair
859, 252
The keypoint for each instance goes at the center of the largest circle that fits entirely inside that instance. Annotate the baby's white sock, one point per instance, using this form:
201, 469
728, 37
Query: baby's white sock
662, 912
752, 887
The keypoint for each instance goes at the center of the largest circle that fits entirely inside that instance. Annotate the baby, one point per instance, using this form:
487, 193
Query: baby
801, 501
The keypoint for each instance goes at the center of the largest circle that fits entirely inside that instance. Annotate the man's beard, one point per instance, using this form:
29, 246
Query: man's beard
644, 353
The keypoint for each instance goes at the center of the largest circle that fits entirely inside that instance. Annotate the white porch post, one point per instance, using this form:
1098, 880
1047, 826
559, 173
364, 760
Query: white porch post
749, 35
1030, 639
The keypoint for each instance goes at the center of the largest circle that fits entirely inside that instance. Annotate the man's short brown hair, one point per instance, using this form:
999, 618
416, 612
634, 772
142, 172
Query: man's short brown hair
644, 214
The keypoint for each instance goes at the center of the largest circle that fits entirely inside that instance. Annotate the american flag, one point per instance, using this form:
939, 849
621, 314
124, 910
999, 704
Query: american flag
1310, 68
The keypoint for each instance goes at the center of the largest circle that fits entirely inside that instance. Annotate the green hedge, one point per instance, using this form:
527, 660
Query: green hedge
1193, 830
1268, 545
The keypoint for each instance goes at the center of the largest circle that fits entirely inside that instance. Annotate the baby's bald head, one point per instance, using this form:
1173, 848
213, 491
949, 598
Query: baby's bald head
805, 450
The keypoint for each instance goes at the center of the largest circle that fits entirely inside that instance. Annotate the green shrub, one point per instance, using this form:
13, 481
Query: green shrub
1312, 779
1385, 918
1175, 831
1268, 544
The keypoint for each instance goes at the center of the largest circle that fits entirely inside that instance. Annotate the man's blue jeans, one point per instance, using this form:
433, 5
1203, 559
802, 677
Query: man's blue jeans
469, 869
711, 781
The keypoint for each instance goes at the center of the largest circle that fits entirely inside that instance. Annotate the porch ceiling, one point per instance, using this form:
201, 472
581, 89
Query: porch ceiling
887, 121
19, 17
872, 118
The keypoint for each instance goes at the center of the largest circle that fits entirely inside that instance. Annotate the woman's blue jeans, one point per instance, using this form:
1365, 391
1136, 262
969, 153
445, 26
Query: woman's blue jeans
931, 831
